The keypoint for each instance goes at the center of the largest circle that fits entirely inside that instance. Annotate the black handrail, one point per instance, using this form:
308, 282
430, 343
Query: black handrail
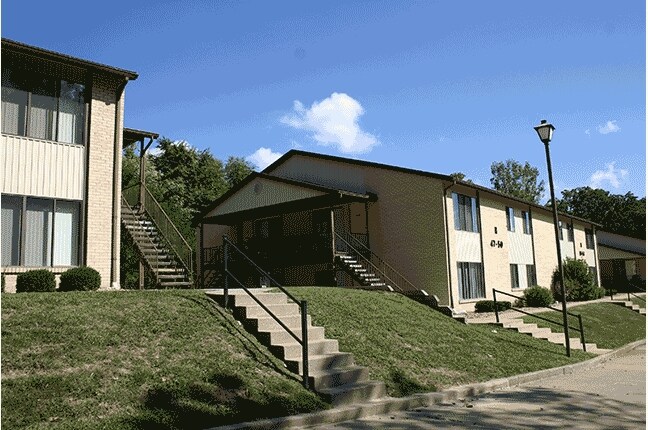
580, 319
303, 305
360, 255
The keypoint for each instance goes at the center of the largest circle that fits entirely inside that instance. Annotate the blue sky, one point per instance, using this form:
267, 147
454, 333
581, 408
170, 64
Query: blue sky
437, 86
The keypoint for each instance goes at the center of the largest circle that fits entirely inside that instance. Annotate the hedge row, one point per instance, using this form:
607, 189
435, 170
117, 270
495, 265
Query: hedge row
42, 280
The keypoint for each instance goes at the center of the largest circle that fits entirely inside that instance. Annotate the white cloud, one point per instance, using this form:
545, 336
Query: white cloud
263, 157
333, 122
587, 132
611, 174
609, 127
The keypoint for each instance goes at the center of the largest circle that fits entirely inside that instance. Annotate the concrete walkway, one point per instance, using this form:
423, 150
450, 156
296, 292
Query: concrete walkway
611, 395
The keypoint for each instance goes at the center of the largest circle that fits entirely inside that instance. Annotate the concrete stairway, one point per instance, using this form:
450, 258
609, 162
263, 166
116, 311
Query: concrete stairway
361, 271
162, 261
332, 374
631, 306
533, 330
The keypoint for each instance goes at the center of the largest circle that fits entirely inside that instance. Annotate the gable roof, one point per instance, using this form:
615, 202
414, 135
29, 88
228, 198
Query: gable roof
58, 57
254, 175
440, 176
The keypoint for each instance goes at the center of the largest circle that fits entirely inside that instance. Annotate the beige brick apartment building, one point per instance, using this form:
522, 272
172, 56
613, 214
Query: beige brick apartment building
62, 122
305, 214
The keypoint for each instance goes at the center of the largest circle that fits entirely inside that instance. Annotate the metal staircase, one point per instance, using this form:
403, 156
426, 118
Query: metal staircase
156, 250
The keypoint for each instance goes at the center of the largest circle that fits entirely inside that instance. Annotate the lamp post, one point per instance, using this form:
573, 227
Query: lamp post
545, 133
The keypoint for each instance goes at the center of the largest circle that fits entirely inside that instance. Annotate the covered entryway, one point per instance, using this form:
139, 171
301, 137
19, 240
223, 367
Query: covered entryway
287, 227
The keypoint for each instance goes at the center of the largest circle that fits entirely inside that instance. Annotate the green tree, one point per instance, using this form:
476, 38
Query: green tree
618, 213
237, 169
459, 176
517, 180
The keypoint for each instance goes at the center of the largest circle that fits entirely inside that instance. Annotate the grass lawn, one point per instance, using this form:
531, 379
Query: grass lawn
605, 324
413, 348
150, 359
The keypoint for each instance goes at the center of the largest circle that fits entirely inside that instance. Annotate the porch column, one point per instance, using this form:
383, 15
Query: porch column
142, 181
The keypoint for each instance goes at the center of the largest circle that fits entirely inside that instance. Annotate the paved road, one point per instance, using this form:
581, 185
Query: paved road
609, 396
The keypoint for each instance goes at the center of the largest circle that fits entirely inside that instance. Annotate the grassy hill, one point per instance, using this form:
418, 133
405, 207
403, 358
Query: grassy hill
605, 324
145, 359
414, 348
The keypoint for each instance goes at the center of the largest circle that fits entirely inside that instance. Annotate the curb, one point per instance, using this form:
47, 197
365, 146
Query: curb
393, 404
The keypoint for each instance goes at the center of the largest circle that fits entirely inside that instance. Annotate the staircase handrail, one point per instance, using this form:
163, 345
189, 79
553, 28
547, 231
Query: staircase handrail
513, 308
376, 268
396, 273
155, 247
303, 305
184, 255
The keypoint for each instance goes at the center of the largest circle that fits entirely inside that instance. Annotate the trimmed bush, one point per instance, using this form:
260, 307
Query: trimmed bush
3, 283
39, 280
80, 279
579, 282
538, 296
489, 306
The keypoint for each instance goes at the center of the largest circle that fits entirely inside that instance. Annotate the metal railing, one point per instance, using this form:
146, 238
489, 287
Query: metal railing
349, 243
630, 293
153, 258
580, 319
229, 246
174, 239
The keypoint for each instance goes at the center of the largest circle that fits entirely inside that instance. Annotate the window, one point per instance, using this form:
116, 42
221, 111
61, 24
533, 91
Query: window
560, 230
526, 222
510, 219
570, 232
42, 108
515, 277
466, 215
40, 232
531, 275
589, 238
470, 281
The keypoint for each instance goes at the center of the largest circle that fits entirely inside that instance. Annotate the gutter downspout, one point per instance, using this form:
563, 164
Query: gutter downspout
447, 241
116, 206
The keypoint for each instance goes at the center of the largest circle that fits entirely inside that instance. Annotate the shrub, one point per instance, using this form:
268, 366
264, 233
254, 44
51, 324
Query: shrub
489, 306
40, 280
579, 282
80, 279
538, 296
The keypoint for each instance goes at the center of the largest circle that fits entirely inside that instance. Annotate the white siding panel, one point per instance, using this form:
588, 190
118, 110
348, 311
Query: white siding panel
468, 249
520, 249
42, 168
566, 247
263, 192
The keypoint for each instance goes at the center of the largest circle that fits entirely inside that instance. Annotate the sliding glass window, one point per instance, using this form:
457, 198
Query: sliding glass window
39, 232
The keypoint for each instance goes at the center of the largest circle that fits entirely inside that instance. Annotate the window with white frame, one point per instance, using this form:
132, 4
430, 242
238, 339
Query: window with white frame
570, 232
510, 219
466, 213
470, 281
560, 230
526, 222
531, 275
589, 238
38, 232
515, 277
43, 108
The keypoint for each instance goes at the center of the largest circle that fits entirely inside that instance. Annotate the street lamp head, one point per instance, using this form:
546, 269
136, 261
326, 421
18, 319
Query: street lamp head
545, 131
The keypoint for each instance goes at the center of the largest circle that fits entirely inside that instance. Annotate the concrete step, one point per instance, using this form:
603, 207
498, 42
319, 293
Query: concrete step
281, 336
268, 323
335, 377
256, 311
265, 298
176, 284
318, 363
354, 393
292, 350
